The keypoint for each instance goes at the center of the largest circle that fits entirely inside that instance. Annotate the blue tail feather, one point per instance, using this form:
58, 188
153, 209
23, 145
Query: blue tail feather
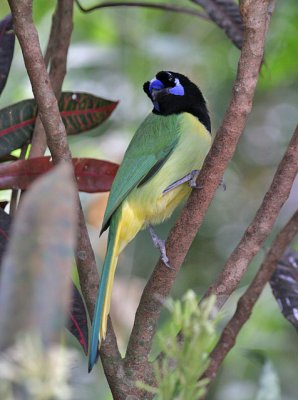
98, 310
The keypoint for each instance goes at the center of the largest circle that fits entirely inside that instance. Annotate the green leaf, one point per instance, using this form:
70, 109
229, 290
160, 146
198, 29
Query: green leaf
35, 287
183, 362
80, 112
7, 39
77, 323
269, 385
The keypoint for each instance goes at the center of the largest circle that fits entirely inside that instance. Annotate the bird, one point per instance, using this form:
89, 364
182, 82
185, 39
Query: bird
158, 172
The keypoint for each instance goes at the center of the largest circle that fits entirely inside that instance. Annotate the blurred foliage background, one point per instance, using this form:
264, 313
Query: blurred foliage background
113, 52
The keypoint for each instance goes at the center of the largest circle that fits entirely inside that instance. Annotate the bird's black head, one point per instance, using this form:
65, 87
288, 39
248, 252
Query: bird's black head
173, 93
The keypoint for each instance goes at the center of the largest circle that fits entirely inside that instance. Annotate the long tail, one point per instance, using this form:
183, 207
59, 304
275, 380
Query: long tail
102, 307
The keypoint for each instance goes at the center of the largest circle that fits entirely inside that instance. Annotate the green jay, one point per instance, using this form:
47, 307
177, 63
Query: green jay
158, 172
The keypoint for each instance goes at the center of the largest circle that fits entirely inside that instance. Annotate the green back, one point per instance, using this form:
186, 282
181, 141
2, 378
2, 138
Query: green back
153, 141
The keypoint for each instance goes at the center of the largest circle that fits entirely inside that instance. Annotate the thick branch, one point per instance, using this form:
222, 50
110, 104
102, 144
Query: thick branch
56, 55
255, 16
57, 142
156, 6
248, 300
260, 227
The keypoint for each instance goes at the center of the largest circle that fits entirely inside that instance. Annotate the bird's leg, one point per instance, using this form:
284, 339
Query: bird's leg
223, 185
160, 244
191, 178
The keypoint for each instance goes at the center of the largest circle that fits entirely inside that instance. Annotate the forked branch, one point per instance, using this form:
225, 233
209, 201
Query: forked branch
256, 16
261, 226
248, 300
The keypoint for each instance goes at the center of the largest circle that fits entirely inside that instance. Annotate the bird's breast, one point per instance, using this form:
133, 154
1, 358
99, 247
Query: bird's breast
149, 203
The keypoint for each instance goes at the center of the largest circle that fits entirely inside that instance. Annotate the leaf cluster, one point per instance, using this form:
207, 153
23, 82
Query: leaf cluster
185, 360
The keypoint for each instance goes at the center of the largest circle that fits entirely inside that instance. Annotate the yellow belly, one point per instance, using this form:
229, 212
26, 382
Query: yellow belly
147, 204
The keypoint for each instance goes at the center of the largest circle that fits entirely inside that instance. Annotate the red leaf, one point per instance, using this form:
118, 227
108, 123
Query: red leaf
92, 175
77, 323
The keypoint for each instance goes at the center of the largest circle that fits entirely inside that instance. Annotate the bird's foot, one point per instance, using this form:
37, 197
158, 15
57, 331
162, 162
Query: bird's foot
160, 244
223, 185
191, 178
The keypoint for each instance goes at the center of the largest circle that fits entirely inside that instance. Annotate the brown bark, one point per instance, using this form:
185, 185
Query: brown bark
248, 300
261, 226
57, 142
56, 55
122, 374
256, 16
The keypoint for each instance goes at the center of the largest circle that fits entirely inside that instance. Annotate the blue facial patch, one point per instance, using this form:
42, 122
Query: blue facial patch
156, 84
178, 89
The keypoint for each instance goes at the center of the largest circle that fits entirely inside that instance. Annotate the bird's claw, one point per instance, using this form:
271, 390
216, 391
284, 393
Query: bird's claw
161, 245
164, 257
223, 185
191, 178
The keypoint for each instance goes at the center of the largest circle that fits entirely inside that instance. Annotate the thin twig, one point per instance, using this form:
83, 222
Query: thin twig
156, 6
260, 227
15, 192
248, 300
255, 17
56, 56
226, 15
57, 142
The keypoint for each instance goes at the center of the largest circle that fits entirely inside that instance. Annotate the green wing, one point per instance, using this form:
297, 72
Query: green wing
152, 143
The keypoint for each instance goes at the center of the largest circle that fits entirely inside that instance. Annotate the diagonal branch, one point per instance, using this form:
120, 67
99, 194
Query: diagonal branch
155, 6
260, 227
256, 16
248, 300
57, 142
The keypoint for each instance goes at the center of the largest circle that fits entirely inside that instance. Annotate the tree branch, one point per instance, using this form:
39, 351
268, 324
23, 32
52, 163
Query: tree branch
56, 55
248, 300
226, 15
260, 227
256, 16
156, 6
41, 86
57, 142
